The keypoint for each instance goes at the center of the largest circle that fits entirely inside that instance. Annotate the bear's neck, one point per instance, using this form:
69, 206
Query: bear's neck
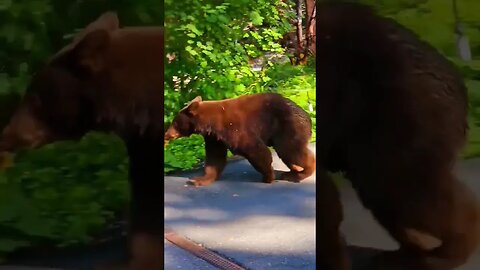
129, 120
211, 120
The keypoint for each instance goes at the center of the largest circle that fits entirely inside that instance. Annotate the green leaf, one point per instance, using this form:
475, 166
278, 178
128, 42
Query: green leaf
194, 29
240, 88
256, 18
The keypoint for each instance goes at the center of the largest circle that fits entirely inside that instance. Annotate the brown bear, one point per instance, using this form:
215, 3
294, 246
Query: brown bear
248, 125
108, 79
392, 115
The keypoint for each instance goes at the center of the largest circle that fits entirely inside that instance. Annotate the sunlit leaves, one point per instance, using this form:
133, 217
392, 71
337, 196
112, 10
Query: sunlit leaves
213, 41
256, 18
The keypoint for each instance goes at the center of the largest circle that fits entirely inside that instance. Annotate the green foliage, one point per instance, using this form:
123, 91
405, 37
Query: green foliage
184, 153
473, 146
433, 20
471, 71
62, 193
212, 42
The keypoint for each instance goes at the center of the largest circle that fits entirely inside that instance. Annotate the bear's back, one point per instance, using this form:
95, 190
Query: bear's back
379, 76
267, 113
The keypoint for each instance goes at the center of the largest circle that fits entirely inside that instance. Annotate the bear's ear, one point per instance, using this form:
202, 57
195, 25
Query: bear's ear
108, 21
89, 53
193, 105
197, 99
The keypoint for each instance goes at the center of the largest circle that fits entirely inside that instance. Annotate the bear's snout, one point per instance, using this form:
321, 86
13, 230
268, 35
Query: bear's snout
171, 134
24, 131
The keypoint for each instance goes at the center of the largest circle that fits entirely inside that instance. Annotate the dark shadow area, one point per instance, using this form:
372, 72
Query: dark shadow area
361, 256
80, 258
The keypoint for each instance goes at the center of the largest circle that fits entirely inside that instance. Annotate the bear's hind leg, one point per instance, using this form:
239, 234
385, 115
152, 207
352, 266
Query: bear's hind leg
260, 157
300, 161
448, 236
216, 158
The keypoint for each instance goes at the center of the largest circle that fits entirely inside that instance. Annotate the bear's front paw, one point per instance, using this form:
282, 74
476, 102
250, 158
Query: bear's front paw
201, 181
268, 180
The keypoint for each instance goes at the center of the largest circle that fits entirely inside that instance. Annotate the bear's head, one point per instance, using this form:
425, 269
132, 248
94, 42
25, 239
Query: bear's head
184, 123
58, 103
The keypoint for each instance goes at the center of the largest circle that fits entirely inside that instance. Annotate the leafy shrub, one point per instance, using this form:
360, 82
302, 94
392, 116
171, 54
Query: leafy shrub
62, 193
210, 44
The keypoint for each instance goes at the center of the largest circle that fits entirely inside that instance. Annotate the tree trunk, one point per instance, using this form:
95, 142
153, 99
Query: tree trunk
311, 26
299, 27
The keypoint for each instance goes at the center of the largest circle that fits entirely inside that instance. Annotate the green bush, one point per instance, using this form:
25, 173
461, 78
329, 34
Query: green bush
212, 42
62, 193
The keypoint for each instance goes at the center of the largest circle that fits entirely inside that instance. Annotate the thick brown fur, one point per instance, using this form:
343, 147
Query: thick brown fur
247, 125
392, 114
108, 79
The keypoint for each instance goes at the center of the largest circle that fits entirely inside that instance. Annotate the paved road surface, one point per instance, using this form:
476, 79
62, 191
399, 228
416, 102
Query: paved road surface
259, 226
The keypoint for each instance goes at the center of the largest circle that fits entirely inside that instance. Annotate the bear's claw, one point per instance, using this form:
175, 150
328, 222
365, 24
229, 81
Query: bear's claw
199, 182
